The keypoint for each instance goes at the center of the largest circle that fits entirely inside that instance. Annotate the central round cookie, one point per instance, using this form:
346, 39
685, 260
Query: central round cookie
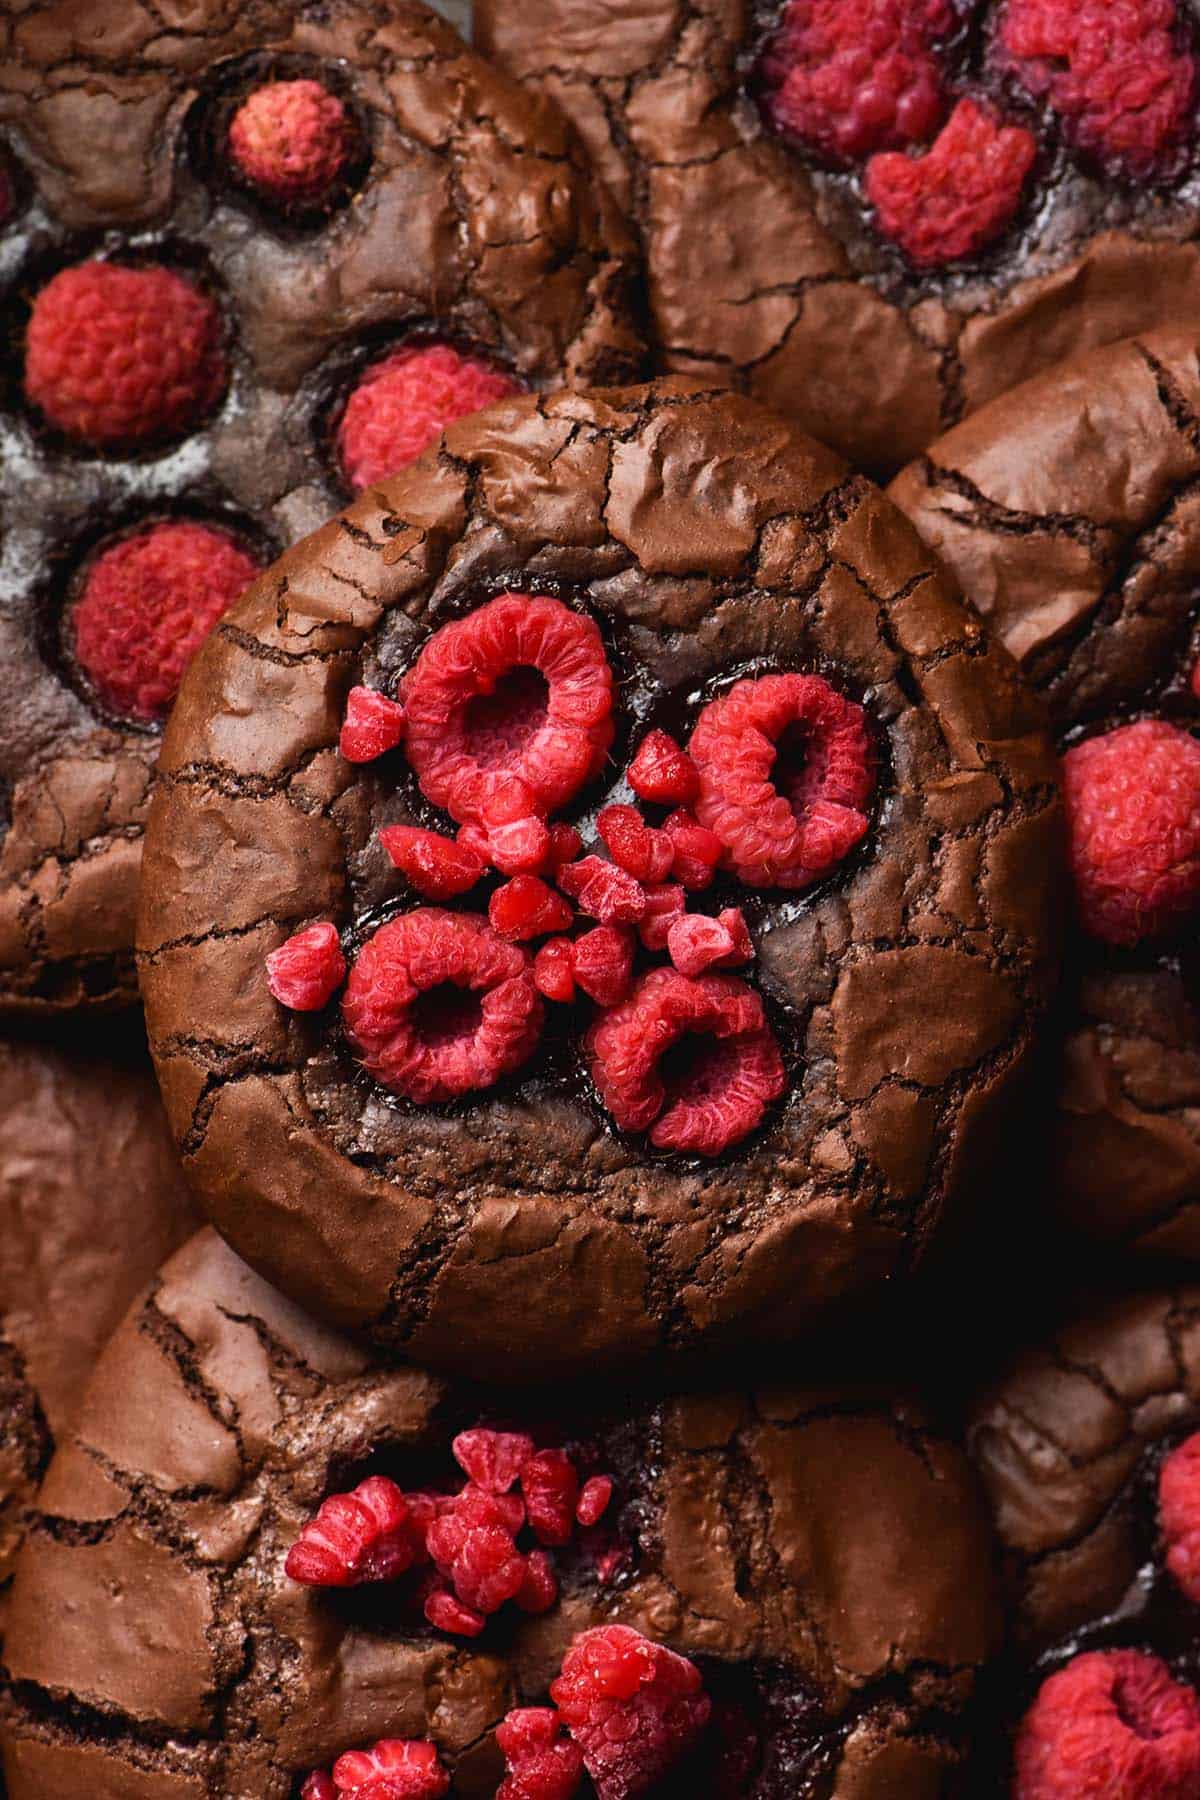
599, 892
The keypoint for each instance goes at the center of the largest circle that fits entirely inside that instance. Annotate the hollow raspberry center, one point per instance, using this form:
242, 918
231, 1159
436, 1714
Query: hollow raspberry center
447, 1017
1134, 1710
698, 1069
498, 726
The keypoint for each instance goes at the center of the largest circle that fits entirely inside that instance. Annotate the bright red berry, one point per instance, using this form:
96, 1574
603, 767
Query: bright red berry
603, 963
1179, 1515
473, 1547
438, 867
554, 970
373, 725
318, 1786
367, 1535
697, 943
492, 1459
445, 1612
646, 853
1111, 1723
593, 1500
526, 908
393, 1769
565, 845
542, 1762
696, 850
664, 904
663, 773
291, 140
958, 196
404, 402
550, 1487
634, 1708
539, 1590
306, 972
603, 891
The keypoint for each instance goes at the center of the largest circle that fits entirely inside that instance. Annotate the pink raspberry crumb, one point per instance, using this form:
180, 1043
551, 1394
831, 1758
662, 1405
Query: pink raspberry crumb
542, 1761
373, 725
1110, 1723
602, 962
958, 196
663, 773
1179, 1515
369, 1534
291, 140
554, 970
405, 401
393, 1769
305, 973
634, 1708
437, 866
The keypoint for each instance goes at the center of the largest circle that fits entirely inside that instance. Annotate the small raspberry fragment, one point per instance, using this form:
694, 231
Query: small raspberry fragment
117, 356
785, 771
305, 973
664, 904
405, 401
663, 773
473, 1547
1133, 815
318, 1786
542, 1761
146, 605
520, 689
565, 845
369, 1534
437, 866
1119, 73
634, 1708
958, 196
593, 1500
393, 1769
717, 1091
696, 942
603, 963
696, 850
539, 1590
603, 891
554, 970
1111, 1723
1179, 1515
373, 725
526, 908
438, 1005
645, 853
291, 140
493, 1460
446, 1613
550, 1488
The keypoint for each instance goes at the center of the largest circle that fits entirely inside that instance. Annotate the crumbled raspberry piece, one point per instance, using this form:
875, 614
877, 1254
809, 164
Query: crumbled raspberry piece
550, 1487
520, 847
1111, 1723
554, 970
437, 866
318, 1786
664, 904
633, 1707
565, 845
519, 689
663, 773
392, 1769
542, 1762
593, 1500
373, 725
1179, 1515
367, 1535
720, 1092
492, 1459
291, 140
958, 196
447, 1613
526, 908
697, 942
785, 771
539, 1590
146, 605
438, 1005
637, 847
1119, 73
117, 356
472, 1546
603, 891
696, 849
603, 963
1133, 815
405, 401
306, 972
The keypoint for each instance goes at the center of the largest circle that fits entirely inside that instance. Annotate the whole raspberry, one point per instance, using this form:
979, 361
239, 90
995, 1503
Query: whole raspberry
146, 605
602, 962
722, 1089
393, 1769
542, 1762
493, 1460
1119, 73
291, 140
373, 725
305, 973
1111, 1723
437, 866
603, 891
518, 695
662, 773
438, 1005
1133, 815
123, 357
634, 1708
785, 771
367, 1535
846, 77
1179, 1515
637, 847
960, 195
405, 401
526, 908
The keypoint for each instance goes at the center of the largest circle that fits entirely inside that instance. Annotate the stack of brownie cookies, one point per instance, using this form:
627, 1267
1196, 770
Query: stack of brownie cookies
599, 1065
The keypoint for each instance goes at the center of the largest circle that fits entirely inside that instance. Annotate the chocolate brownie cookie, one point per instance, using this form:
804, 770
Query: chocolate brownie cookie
877, 214
605, 1078
197, 1615
249, 261
1068, 511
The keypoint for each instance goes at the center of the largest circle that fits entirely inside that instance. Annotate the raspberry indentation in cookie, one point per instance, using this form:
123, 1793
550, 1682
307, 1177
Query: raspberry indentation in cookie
786, 769
367, 1535
439, 1005
1179, 1515
634, 1708
847, 77
123, 357
393, 1769
373, 725
958, 196
542, 1762
146, 605
404, 402
1133, 814
1119, 73
306, 972
1110, 1723
509, 710
692, 1061
292, 141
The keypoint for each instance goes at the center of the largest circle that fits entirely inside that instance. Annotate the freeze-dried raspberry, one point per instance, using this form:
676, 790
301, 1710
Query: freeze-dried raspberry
593, 1500
521, 847
696, 849
318, 1786
493, 1460
958, 196
550, 1487
373, 725
117, 356
405, 401
1133, 815
392, 1769
445, 1612
705, 1099
542, 1762
526, 908
539, 1590
847, 77
366, 1535
438, 1005
554, 970
1120, 74
633, 1707
1111, 1723
603, 891
785, 771
472, 1546
520, 689
697, 942
647, 854
664, 904
565, 845
146, 605
437, 866
603, 963
1179, 1515
663, 773
306, 972
291, 140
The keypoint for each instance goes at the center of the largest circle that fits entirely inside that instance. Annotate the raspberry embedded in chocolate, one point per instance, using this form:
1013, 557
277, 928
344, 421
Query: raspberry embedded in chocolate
373, 725
1111, 1723
404, 402
1133, 813
634, 1708
306, 972
526, 908
438, 867
438, 1005
291, 140
542, 1762
957, 197
1179, 1515
663, 773
367, 1535
118, 357
393, 1769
